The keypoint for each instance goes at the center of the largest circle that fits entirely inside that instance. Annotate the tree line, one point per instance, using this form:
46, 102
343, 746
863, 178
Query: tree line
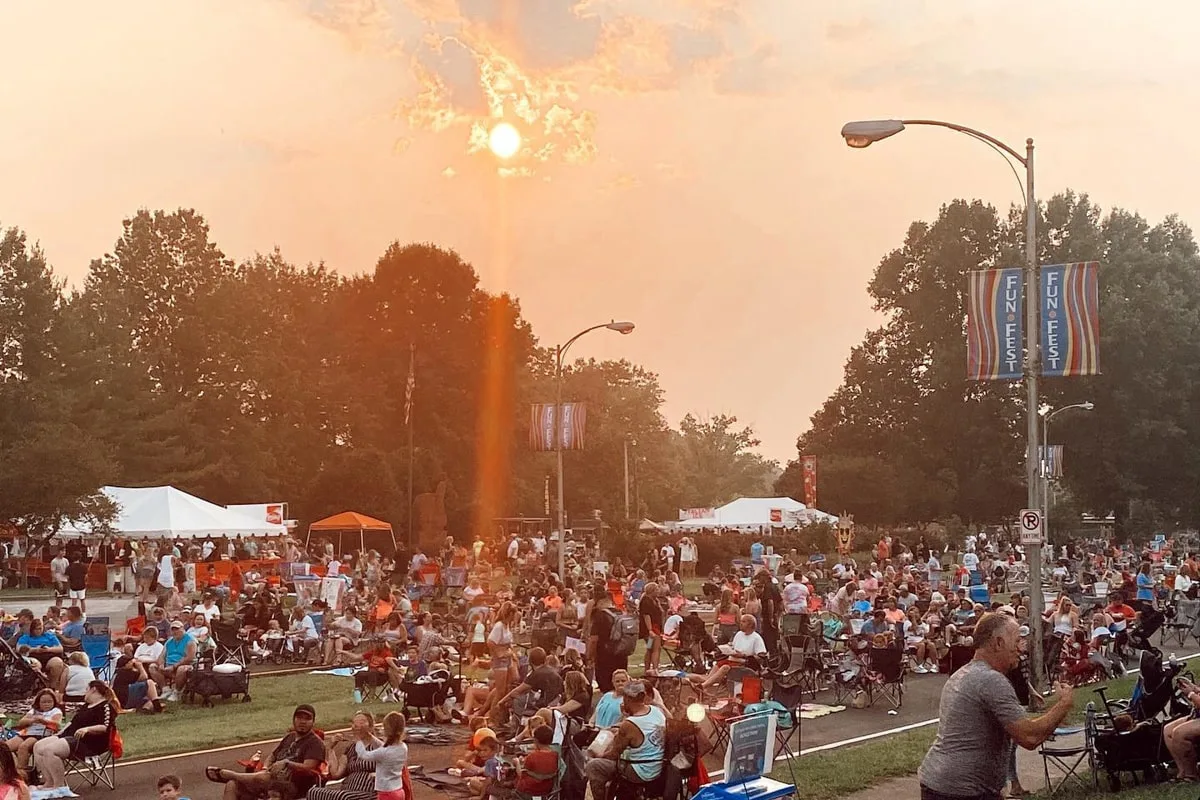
906, 438
264, 381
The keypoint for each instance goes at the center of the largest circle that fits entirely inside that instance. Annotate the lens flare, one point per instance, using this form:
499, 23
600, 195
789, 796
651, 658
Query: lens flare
504, 140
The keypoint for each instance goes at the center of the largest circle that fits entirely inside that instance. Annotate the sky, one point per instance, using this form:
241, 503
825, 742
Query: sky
681, 164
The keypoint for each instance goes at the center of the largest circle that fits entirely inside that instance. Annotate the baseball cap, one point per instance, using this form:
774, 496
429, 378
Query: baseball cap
480, 735
304, 709
634, 689
176, 624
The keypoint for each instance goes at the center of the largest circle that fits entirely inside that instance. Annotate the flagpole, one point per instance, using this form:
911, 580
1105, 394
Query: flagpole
408, 417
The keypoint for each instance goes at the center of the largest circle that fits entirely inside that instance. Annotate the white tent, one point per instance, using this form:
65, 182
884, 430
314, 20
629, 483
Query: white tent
158, 512
756, 512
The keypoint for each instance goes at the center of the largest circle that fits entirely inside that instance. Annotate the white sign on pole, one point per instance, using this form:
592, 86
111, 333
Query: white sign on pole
1031, 526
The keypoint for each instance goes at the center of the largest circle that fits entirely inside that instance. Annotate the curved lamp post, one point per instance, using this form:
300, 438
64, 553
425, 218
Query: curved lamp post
1045, 461
865, 133
560, 351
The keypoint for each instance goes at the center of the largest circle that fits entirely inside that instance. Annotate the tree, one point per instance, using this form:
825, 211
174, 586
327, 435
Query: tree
717, 464
957, 448
50, 469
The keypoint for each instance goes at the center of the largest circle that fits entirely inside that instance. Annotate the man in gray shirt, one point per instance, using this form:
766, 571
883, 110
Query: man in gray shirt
979, 714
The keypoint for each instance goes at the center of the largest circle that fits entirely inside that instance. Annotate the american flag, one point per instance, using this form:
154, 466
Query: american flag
408, 386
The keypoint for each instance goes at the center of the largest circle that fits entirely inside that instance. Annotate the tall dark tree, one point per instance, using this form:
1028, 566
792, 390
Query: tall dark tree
929, 445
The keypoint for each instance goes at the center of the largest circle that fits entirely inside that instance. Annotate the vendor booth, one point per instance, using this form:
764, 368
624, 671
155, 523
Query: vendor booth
164, 512
352, 525
757, 513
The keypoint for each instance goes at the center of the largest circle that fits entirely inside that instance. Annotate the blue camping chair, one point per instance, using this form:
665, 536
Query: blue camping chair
98, 647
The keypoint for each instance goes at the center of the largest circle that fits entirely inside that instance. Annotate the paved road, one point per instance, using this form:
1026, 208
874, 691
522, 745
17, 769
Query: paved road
921, 696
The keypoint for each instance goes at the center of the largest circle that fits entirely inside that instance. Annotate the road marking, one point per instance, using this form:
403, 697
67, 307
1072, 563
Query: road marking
914, 725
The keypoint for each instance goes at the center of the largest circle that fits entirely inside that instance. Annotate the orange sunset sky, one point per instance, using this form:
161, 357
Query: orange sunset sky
681, 167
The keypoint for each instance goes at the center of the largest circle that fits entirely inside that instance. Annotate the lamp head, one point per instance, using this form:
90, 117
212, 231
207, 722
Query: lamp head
1088, 406
620, 327
866, 132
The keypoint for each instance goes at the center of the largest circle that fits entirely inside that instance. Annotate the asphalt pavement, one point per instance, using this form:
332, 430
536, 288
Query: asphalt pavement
922, 693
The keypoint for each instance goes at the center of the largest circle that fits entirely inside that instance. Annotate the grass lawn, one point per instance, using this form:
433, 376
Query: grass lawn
181, 728
836, 773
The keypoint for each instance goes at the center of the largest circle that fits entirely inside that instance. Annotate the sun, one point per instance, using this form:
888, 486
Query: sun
504, 140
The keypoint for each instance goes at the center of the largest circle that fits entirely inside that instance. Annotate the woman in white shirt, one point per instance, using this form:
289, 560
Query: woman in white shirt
1184, 581
747, 645
504, 666
79, 675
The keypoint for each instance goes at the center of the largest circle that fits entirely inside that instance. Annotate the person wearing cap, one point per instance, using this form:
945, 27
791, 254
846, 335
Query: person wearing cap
176, 660
637, 750
296, 760
133, 687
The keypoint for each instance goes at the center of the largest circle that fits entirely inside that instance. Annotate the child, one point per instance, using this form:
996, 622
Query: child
483, 768
169, 788
540, 768
389, 760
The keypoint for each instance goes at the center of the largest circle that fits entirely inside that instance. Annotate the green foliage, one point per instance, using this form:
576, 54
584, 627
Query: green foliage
906, 438
268, 381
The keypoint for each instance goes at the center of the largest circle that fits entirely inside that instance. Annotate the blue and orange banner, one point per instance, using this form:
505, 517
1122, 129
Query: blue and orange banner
995, 324
1070, 305
541, 426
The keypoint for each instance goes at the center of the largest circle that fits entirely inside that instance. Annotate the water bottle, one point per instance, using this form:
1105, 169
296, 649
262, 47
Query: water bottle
358, 696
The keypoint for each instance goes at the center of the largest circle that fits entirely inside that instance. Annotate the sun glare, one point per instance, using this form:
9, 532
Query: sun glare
504, 140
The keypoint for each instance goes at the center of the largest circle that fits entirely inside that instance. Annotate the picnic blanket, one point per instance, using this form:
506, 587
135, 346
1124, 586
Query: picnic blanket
816, 710
341, 672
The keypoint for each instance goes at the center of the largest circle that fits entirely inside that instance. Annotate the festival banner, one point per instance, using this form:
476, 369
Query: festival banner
541, 426
1052, 459
707, 512
995, 325
1070, 332
809, 467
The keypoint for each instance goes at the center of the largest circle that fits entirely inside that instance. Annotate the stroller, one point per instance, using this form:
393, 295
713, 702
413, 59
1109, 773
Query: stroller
1138, 747
18, 680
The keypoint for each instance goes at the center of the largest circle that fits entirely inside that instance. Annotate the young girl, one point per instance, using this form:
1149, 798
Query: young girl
389, 760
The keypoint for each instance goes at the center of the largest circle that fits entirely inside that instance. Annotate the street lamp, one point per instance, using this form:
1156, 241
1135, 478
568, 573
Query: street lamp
864, 134
1045, 460
623, 328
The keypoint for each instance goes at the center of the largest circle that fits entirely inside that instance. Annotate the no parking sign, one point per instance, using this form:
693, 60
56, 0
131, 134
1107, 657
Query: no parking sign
1031, 526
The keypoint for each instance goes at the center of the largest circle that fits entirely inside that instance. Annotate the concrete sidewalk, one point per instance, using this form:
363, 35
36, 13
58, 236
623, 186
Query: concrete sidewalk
1029, 768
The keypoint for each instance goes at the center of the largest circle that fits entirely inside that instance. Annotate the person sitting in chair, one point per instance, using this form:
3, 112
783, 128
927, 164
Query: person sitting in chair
44, 652
88, 735
637, 750
176, 660
296, 761
744, 650
543, 681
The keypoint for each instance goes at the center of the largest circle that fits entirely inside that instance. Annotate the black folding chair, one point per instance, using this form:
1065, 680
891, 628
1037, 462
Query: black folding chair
886, 675
1067, 759
229, 647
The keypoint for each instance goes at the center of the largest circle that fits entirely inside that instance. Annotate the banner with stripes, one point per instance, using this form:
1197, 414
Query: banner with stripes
1071, 319
1052, 460
995, 324
541, 426
809, 471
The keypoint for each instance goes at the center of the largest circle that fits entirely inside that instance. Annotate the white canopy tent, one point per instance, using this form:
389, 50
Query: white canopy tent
757, 512
164, 512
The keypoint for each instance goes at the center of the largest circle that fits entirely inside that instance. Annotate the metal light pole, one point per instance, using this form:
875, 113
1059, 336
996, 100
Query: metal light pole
627, 517
863, 134
560, 351
1045, 460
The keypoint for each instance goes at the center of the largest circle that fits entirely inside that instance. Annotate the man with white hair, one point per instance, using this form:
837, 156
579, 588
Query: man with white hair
980, 716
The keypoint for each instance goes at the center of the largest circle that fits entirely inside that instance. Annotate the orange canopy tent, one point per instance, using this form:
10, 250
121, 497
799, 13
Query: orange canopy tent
351, 522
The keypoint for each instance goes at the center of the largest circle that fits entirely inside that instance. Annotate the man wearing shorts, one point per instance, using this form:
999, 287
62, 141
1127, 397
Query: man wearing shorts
295, 760
77, 575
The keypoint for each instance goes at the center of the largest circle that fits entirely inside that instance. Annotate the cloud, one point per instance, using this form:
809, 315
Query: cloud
759, 73
850, 31
542, 64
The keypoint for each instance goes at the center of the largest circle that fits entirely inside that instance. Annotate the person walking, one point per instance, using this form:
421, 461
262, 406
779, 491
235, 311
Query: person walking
980, 714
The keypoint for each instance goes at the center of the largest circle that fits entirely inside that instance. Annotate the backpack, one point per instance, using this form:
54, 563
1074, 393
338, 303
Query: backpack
623, 639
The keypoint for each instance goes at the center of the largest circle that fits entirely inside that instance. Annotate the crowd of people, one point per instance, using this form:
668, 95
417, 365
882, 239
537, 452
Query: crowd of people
549, 653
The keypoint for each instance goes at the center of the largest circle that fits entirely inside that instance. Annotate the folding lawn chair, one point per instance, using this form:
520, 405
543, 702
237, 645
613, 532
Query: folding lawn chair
788, 696
1180, 624
1067, 759
373, 684
885, 675
96, 770
98, 647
